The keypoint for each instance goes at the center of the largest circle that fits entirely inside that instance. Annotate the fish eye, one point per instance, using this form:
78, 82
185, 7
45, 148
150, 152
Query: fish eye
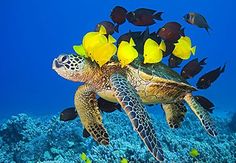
202, 80
163, 29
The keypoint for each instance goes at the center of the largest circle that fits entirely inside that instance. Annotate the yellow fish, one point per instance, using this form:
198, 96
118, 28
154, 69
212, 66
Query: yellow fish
104, 53
83, 156
153, 53
88, 161
183, 48
94, 39
194, 153
79, 49
126, 52
123, 160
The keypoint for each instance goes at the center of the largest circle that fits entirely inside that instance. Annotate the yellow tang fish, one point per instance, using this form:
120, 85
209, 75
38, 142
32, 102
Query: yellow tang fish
79, 49
126, 52
104, 53
83, 156
94, 39
183, 48
153, 53
194, 153
123, 160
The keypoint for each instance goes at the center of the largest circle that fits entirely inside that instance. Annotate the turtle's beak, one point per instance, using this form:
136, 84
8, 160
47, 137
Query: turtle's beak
55, 64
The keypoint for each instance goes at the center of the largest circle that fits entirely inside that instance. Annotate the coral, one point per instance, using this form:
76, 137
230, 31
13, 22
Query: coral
26, 139
232, 123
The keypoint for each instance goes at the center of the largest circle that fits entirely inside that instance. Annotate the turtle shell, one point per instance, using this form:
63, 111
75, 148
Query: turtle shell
154, 69
157, 69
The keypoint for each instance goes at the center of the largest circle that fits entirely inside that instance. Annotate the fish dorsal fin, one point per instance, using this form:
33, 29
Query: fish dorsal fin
102, 30
111, 39
187, 39
131, 42
162, 46
150, 41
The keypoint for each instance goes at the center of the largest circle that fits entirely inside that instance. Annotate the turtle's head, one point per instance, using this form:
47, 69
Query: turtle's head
73, 67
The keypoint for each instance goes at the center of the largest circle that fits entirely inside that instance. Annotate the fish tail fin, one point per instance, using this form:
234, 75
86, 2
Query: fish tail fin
79, 49
207, 29
193, 50
223, 69
157, 16
111, 39
182, 32
116, 28
202, 62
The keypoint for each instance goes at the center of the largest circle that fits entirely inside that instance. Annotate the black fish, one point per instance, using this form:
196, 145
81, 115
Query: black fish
174, 61
155, 37
127, 36
192, 68
143, 17
207, 79
171, 32
107, 106
169, 48
68, 114
118, 15
197, 19
104, 106
86, 134
205, 103
110, 27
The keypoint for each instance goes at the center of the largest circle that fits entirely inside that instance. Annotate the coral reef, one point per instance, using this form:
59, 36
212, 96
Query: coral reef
26, 139
232, 123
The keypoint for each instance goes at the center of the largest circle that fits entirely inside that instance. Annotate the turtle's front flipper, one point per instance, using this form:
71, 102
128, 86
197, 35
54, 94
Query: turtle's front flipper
130, 101
175, 113
89, 113
202, 114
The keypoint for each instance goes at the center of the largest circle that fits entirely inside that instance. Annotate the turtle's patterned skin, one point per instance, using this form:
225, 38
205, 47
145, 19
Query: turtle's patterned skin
132, 87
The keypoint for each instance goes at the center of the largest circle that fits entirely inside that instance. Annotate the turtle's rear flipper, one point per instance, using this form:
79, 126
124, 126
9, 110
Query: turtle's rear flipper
202, 114
175, 113
129, 100
89, 113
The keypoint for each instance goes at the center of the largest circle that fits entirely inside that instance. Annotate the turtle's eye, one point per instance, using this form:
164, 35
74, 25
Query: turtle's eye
63, 58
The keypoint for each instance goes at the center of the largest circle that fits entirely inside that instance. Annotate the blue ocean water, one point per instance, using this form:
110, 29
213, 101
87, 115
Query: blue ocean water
33, 33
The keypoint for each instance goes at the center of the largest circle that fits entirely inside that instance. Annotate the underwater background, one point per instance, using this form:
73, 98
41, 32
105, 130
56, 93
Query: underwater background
33, 33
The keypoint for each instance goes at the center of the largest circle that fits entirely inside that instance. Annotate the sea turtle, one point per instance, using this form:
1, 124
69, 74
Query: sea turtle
132, 87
